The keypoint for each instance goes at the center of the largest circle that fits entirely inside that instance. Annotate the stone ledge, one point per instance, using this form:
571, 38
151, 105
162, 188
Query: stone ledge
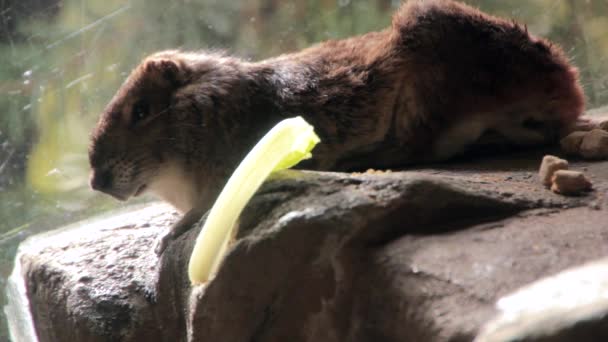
402, 256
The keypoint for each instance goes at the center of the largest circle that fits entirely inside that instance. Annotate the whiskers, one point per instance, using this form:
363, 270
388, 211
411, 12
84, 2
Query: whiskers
145, 167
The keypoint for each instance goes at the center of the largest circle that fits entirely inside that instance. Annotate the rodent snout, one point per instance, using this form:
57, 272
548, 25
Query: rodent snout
101, 180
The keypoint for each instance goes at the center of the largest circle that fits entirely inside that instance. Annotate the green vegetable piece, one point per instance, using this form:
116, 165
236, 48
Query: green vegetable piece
285, 145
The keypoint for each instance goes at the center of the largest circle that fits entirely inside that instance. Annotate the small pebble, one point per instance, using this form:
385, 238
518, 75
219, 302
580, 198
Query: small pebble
571, 143
568, 182
595, 145
548, 167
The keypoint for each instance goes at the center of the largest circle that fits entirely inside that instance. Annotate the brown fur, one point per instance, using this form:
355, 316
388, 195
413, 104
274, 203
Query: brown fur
438, 80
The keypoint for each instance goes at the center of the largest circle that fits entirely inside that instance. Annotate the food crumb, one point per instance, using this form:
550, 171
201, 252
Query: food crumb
567, 182
549, 166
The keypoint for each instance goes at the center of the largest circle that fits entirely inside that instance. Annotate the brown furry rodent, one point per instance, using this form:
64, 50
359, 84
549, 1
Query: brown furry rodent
440, 78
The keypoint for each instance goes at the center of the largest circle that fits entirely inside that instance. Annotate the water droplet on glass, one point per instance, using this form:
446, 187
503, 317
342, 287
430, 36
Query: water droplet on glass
53, 172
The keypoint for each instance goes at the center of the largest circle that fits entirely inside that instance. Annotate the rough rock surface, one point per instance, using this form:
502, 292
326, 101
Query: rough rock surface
581, 295
404, 256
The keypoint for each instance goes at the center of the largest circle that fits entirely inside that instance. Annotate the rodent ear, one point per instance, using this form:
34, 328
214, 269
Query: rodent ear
163, 69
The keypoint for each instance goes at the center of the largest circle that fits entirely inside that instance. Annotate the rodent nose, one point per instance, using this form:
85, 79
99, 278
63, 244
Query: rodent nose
101, 180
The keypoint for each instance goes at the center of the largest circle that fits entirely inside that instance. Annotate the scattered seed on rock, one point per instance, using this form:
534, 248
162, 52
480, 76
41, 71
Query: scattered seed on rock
571, 143
595, 145
548, 167
568, 182
377, 172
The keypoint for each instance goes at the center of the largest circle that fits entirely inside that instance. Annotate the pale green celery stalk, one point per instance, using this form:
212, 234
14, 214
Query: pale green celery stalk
285, 145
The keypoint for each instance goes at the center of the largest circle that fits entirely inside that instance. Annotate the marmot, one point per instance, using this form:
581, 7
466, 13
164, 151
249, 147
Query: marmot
439, 79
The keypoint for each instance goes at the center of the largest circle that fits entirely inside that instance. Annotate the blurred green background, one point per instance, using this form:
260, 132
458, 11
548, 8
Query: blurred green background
61, 61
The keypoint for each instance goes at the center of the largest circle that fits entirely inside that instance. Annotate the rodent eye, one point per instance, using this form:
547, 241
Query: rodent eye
139, 112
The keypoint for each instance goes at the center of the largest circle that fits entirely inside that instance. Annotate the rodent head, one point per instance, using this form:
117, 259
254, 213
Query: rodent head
174, 127
133, 138
178, 126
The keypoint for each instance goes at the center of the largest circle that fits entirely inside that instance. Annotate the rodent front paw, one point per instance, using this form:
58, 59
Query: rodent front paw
162, 243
